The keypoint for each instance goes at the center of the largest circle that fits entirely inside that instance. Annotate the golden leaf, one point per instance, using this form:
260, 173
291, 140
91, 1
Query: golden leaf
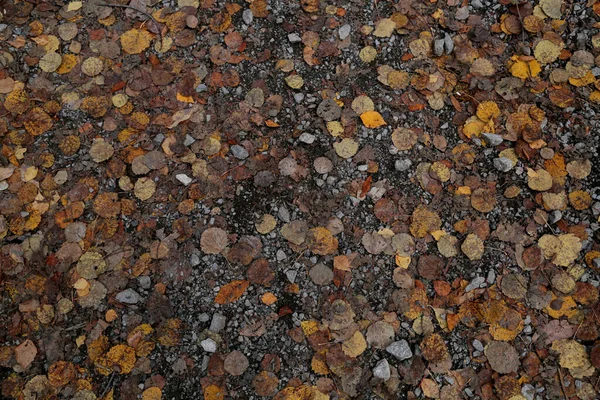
321, 241
134, 41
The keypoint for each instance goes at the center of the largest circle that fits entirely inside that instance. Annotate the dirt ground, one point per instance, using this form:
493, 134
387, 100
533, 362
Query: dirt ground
299, 199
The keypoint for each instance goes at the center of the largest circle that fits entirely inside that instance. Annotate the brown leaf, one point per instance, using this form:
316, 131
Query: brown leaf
231, 292
25, 353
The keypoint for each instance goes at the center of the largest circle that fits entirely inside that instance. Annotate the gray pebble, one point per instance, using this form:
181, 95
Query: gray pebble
382, 370
307, 138
283, 214
218, 323
291, 274
247, 16
491, 277
183, 178
281, 255
402, 165
344, 31
239, 152
555, 216
145, 281
400, 349
477, 345
438, 47
448, 44
128, 296
503, 164
209, 345
298, 97
475, 283
492, 139
294, 38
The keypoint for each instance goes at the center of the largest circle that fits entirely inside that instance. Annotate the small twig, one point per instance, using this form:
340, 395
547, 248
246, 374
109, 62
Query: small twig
158, 27
108, 385
562, 385
72, 328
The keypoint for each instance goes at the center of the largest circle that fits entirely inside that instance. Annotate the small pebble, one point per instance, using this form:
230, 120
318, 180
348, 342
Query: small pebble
239, 152
492, 139
247, 16
307, 138
475, 283
209, 345
183, 178
128, 296
218, 323
344, 31
294, 38
402, 165
503, 164
291, 274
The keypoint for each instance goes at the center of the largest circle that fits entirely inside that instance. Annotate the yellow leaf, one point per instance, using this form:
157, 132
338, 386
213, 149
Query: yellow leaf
321, 241
546, 51
294, 81
214, 392
354, 346
473, 127
74, 6
184, 99
134, 41
573, 356
424, 221
367, 54
372, 119
121, 356
309, 327
563, 249
402, 261
487, 110
346, 148
318, 365
152, 393
144, 188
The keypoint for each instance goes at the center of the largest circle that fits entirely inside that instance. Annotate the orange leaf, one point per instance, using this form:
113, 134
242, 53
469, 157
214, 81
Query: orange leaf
452, 320
372, 119
268, 298
231, 292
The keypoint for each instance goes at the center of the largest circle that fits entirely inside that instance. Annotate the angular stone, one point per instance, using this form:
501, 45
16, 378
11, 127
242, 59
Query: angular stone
218, 323
382, 370
183, 178
209, 345
492, 139
400, 349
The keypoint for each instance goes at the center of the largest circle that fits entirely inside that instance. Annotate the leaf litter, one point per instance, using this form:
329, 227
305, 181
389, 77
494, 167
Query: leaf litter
219, 199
